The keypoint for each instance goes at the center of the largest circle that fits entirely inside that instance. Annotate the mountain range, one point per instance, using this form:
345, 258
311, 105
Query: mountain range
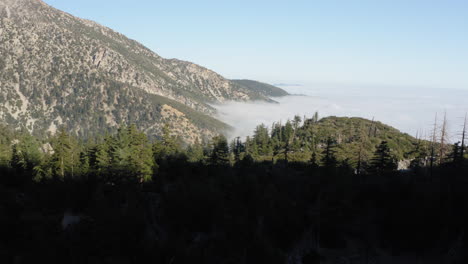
57, 70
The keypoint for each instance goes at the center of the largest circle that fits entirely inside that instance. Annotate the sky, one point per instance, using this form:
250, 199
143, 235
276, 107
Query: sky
404, 43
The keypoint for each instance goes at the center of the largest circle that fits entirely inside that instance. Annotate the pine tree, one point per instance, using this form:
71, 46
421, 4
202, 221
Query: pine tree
262, 140
130, 155
383, 161
329, 159
277, 147
296, 122
85, 166
30, 149
195, 152
295, 143
64, 159
166, 147
16, 159
6, 137
248, 146
454, 156
26, 153
287, 132
288, 137
276, 142
237, 149
98, 155
119, 148
220, 152
140, 160
314, 160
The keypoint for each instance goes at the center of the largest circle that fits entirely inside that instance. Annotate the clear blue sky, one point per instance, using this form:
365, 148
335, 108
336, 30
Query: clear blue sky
389, 42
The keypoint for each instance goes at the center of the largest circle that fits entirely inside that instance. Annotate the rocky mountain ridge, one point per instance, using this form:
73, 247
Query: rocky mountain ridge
59, 70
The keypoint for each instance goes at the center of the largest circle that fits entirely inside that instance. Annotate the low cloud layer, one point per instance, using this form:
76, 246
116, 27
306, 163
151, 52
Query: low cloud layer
407, 109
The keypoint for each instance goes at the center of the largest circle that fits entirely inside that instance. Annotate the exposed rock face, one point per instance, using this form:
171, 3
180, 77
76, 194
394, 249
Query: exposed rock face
56, 69
404, 164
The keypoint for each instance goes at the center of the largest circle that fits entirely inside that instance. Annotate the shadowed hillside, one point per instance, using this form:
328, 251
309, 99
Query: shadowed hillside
123, 198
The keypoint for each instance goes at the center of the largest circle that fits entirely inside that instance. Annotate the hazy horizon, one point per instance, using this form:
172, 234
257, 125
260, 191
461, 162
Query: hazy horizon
410, 110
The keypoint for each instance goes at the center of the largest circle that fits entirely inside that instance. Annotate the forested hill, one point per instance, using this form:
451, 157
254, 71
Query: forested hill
331, 141
351, 140
60, 70
349, 133
262, 88
121, 198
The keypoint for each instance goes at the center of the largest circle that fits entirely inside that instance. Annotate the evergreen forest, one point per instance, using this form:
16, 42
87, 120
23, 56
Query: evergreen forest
309, 190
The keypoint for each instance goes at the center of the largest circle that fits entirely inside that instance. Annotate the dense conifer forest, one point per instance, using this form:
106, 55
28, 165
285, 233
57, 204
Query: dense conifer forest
308, 190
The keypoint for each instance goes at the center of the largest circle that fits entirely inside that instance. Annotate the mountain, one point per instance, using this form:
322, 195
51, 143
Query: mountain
262, 88
59, 70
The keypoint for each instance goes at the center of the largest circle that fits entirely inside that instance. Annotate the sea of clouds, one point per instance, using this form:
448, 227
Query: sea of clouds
411, 110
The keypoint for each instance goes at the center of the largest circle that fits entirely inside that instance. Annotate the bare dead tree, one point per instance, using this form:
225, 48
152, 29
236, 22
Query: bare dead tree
371, 126
433, 141
443, 139
462, 152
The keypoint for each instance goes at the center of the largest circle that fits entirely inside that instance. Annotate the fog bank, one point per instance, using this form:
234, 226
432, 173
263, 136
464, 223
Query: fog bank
408, 109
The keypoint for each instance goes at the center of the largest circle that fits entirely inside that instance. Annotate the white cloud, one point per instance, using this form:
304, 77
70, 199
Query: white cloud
409, 110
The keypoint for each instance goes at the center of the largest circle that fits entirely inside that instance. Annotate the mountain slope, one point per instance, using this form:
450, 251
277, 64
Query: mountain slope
262, 88
56, 69
350, 133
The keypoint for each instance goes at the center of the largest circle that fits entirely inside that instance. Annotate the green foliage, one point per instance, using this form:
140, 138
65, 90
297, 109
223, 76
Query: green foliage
354, 141
261, 138
26, 154
328, 155
195, 152
126, 156
100, 158
63, 162
383, 162
220, 152
6, 137
167, 146
131, 157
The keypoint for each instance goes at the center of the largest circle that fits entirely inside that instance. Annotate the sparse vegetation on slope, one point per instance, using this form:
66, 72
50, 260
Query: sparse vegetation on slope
262, 88
61, 70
